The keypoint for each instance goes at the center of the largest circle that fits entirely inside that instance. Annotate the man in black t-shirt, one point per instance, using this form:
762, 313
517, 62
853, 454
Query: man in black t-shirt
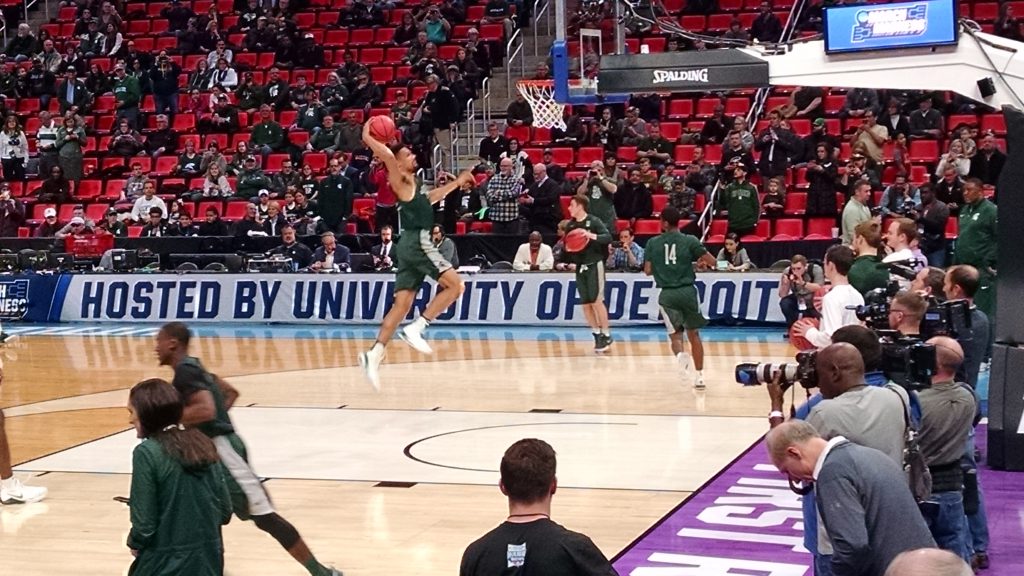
528, 542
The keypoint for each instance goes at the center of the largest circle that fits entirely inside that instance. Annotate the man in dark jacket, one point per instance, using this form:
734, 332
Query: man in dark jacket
766, 27
988, 163
163, 140
776, 144
334, 196
72, 94
540, 204
443, 112
164, 77
12, 214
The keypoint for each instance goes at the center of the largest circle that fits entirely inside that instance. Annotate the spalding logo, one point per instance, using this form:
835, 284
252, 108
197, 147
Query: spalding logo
698, 75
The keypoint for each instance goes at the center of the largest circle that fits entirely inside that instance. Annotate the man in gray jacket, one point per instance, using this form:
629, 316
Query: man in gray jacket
868, 511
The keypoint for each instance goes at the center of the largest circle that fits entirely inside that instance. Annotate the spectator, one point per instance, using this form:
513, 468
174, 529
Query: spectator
444, 245
766, 27
56, 189
326, 138
977, 244
297, 94
443, 110
127, 95
499, 12
901, 238
806, 102
221, 52
350, 133
733, 256
867, 272
223, 76
214, 226
13, 149
72, 95
215, 184
600, 190
503, 191
655, 147
133, 185
633, 199
871, 136
528, 479
382, 253
519, 112
39, 83
988, 163
717, 128
682, 197
375, 181
311, 114
955, 159
156, 226
947, 419
50, 225
900, 197
522, 168
894, 120
950, 189
739, 124
701, 175
402, 112
330, 255
267, 136
275, 91
125, 141
190, 161
774, 201
858, 102
533, 255
290, 247
631, 129
736, 31
926, 122
734, 155
334, 195
960, 282
305, 214
540, 204
23, 45
612, 169
867, 514
113, 225
12, 213
740, 203
71, 139
437, 28
163, 140
468, 68
839, 304
78, 225
626, 254
931, 217
406, 31
776, 144
797, 287
493, 145
857, 171
46, 142
417, 48
856, 210
251, 180
366, 94
149, 199
275, 220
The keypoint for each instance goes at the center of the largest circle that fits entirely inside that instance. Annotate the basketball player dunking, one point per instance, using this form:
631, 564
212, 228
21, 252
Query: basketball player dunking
415, 254
207, 401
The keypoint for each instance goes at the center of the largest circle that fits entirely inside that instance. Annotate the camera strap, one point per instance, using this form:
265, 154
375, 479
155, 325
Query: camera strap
919, 477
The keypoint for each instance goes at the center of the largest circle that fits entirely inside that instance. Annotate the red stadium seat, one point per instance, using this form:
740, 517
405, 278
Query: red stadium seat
790, 227
924, 151
952, 228
821, 226
236, 210
671, 130
658, 202
719, 226
621, 224
520, 133
562, 156
541, 135
995, 123
796, 203
38, 209
693, 23
626, 154
680, 109
88, 189
648, 227
96, 212
588, 154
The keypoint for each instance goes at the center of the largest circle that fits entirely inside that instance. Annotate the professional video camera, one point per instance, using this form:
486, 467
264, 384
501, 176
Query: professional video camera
803, 371
875, 311
908, 362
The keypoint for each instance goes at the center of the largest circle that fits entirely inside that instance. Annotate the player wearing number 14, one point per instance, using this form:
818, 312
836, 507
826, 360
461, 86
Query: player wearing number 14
670, 257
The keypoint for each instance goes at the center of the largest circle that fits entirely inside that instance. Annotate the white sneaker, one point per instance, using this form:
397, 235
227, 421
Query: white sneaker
370, 361
14, 492
412, 334
685, 365
698, 382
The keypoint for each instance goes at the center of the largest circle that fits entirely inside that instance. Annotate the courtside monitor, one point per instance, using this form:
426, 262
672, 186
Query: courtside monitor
866, 27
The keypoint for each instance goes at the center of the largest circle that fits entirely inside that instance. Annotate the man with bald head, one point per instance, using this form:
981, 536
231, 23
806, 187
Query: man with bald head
928, 562
948, 410
534, 255
868, 512
503, 191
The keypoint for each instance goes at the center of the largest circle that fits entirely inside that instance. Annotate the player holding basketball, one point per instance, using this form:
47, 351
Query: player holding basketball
207, 401
415, 254
669, 257
11, 489
590, 268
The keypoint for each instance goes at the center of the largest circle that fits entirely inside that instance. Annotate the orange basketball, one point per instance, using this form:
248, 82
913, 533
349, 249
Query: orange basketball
799, 342
576, 240
382, 128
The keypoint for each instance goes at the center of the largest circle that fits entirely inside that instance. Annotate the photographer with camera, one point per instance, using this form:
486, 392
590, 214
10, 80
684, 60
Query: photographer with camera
900, 197
948, 409
838, 307
600, 190
847, 406
906, 312
797, 286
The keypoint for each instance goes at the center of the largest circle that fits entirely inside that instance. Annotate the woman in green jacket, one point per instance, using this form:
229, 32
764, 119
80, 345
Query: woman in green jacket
70, 142
179, 498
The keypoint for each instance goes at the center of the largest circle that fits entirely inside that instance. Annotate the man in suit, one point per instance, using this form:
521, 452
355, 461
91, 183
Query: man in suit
300, 254
382, 253
870, 515
540, 203
72, 94
330, 255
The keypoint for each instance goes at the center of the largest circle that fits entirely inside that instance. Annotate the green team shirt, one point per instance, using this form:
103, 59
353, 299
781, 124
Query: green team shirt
596, 250
868, 273
672, 255
189, 378
742, 203
602, 204
417, 213
976, 243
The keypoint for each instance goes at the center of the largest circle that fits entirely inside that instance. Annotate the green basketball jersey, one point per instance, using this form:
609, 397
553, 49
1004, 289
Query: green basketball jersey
416, 214
189, 378
672, 255
596, 250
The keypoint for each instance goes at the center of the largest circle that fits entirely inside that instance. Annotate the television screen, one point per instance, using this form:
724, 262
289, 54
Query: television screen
890, 26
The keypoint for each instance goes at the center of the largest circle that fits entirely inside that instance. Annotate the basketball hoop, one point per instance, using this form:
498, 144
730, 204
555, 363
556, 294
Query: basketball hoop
540, 94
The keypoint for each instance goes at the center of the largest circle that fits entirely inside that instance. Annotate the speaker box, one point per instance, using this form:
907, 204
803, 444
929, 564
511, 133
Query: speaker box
1009, 327
1005, 409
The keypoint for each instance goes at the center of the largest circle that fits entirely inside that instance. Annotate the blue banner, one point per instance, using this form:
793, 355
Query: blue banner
890, 26
523, 299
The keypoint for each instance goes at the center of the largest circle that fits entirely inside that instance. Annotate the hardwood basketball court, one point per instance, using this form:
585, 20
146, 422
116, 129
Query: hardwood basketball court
378, 483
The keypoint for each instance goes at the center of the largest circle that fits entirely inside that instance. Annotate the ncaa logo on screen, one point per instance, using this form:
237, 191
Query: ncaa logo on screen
13, 299
699, 75
906, 21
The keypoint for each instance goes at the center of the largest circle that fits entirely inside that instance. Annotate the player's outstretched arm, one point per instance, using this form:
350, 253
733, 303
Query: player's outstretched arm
435, 195
380, 150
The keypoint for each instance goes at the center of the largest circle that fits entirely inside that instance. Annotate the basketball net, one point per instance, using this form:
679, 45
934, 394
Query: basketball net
540, 94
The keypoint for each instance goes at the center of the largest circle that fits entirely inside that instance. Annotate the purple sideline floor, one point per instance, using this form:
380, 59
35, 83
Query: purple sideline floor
747, 521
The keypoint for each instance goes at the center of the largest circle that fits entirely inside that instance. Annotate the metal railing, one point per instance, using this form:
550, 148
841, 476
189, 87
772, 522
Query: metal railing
541, 10
435, 161
485, 92
31, 3
471, 121
511, 57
